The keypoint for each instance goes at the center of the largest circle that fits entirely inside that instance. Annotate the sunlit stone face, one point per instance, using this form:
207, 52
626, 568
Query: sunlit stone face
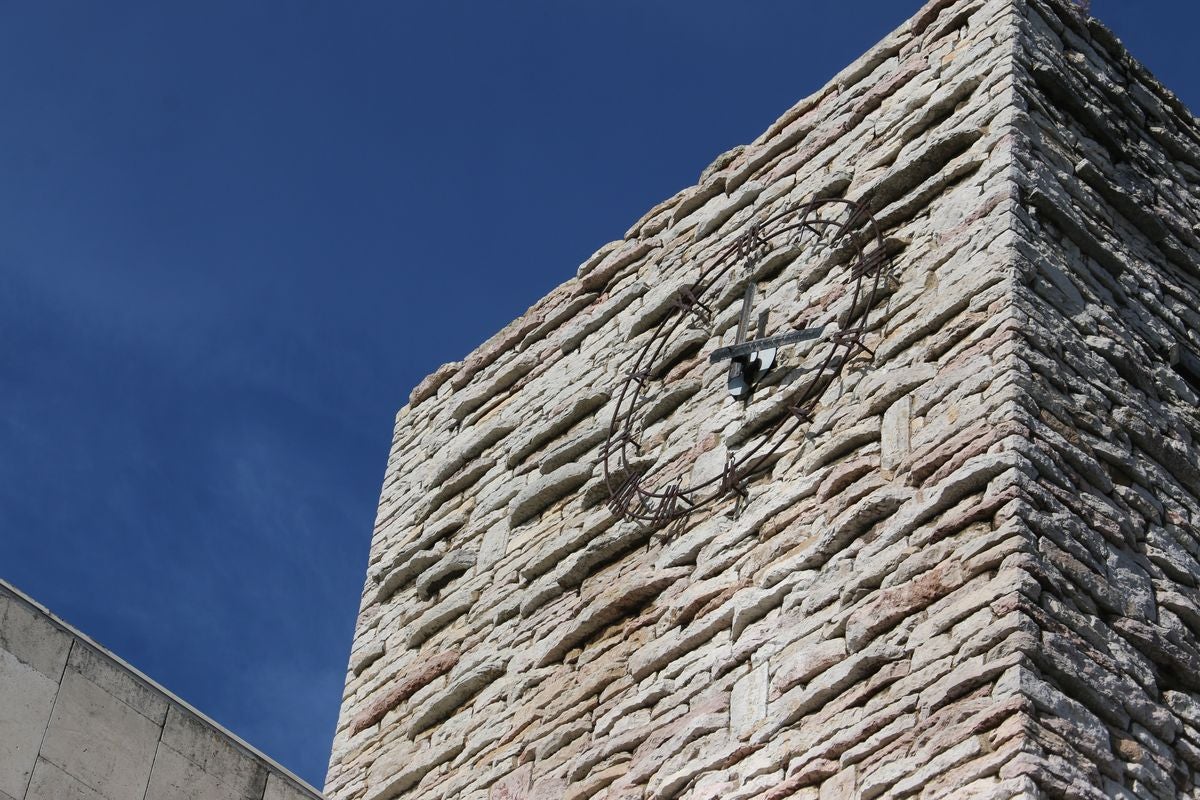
723, 385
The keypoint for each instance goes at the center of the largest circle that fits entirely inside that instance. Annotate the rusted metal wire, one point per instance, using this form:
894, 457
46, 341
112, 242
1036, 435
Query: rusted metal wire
635, 494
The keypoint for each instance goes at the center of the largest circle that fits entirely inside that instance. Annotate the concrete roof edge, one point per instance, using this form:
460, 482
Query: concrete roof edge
270, 763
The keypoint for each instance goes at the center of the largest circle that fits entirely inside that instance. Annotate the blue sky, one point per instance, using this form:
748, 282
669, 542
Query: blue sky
234, 235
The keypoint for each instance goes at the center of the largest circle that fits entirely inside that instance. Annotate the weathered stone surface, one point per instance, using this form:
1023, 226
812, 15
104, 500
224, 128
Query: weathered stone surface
537, 435
460, 689
749, 702
508, 373
972, 573
428, 387
50, 782
805, 659
404, 570
545, 490
399, 771
596, 274
448, 566
426, 672
609, 606
442, 613
470, 447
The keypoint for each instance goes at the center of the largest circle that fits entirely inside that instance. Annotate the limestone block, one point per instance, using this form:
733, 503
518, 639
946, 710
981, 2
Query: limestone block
575, 568
429, 386
509, 338
596, 258
449, 566
575, 536
461, 688
100, 740
660, 406
421, 675
895, 434
607, 607
595, 274
882, 388
541, 592
504, 377
26, 697
748, 704
593, 321
645, 697
513, 787
684, 549
939, 765
556, 318
468, 446
535, 436
471, 474
798, 663
706, 190
545, 490
713, 218
493, 545
800, 701
657, 303
922, 165
366, 655
442, 613
492, 495
431, 533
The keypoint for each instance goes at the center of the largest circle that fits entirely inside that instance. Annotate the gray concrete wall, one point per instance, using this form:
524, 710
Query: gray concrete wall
77, 723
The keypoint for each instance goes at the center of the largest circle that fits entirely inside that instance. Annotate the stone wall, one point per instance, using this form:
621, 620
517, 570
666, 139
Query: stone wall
76, 723
973, 574
1108, 299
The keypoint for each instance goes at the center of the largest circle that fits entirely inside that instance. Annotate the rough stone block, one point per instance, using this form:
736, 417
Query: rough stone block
545, 490
749, 702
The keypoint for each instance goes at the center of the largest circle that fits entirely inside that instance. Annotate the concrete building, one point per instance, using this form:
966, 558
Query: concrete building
935, 531
867, 467
77, 723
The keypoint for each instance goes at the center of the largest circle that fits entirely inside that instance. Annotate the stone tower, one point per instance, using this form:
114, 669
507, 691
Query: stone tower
968, 566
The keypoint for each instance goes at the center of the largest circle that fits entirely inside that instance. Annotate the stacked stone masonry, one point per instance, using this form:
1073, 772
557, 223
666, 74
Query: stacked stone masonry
76, 723
974, 576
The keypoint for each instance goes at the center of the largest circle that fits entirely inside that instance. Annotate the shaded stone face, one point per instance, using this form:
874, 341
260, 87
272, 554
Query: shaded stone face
973, 573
